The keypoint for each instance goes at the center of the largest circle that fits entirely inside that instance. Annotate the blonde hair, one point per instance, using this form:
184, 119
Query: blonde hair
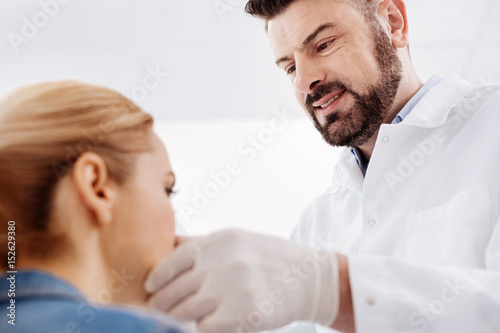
44, 128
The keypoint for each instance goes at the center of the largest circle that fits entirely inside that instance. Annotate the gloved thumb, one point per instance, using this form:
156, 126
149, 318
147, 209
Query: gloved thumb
179, 260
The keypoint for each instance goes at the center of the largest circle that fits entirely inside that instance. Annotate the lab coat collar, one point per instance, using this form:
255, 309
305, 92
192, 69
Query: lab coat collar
434, 108
347, 173
430, 112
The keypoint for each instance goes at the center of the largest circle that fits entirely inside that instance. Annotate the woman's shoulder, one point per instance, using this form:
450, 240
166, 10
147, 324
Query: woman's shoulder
40, 302
44, 315
125, 319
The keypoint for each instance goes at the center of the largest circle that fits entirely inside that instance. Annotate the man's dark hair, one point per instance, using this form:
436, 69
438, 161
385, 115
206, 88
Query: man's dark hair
269, 9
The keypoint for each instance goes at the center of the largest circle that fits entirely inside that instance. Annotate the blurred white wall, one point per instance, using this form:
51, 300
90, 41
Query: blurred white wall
244, 174
211, 84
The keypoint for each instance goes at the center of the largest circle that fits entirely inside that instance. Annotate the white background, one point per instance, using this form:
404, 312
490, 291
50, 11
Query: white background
219, 87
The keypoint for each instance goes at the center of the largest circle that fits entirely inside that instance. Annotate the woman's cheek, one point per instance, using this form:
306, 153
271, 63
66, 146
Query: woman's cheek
169, 218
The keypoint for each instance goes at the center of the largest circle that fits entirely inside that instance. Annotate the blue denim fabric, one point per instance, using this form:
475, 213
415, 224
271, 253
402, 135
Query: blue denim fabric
43, 303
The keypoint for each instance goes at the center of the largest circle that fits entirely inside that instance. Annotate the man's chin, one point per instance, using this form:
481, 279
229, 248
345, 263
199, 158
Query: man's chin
339, 137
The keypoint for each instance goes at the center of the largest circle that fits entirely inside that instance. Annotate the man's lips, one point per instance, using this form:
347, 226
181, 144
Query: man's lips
330, 102
328, 99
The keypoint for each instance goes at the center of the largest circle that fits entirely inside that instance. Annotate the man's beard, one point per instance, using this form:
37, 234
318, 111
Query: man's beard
358, 124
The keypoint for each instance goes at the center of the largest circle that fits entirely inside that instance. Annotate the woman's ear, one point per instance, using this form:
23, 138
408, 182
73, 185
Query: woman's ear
393, 15
96, 189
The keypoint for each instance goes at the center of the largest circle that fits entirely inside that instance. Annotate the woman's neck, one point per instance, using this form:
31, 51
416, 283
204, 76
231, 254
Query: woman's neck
93, 278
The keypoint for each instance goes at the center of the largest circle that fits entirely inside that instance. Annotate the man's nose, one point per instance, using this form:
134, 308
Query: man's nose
308, 75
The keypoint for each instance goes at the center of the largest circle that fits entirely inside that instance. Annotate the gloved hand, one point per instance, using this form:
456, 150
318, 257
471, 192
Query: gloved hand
234, 281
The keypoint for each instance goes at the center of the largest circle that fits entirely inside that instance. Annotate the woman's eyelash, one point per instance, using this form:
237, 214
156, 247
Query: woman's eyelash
170, 191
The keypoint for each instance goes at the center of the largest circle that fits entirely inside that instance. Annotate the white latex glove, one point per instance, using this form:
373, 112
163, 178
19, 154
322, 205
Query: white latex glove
234, 281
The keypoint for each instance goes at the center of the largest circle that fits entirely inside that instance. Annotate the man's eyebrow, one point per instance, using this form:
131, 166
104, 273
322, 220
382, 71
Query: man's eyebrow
308, 40
316, 32
282, 59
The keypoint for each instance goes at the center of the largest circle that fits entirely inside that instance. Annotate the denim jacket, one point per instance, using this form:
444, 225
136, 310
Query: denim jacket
44, 303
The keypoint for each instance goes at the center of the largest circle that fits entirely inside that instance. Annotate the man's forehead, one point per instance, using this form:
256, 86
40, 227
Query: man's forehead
283, 26
301, 19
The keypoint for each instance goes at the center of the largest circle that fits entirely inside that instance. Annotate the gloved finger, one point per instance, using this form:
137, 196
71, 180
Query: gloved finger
181, 287
179, 260
194, 307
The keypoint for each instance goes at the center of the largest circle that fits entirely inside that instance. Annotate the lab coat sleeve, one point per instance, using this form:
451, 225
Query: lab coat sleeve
298, 232
392, 295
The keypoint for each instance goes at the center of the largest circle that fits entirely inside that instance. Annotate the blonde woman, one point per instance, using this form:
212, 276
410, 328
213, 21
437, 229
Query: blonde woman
84, 210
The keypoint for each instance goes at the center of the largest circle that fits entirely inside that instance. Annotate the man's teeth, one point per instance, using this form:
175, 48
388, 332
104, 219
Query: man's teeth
331, 100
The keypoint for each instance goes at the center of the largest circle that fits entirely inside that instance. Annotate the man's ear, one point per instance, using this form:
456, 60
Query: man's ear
96, 189
393, 16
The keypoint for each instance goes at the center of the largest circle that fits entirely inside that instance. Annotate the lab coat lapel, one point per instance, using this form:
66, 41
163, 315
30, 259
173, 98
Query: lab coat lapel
434, 108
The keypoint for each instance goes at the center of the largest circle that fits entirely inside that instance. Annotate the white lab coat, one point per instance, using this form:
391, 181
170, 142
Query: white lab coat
422, 229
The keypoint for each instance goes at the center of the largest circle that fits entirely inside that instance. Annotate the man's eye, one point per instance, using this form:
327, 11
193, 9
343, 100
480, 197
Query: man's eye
324, 45
290, 70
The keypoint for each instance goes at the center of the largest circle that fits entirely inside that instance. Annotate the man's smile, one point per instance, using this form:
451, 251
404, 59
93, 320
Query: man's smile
328, 104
